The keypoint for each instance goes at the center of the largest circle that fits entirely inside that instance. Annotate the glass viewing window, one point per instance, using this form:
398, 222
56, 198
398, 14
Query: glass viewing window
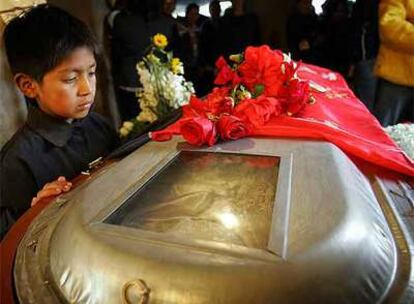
217, 197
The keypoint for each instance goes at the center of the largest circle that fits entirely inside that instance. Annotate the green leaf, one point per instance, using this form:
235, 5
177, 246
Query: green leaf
258, 89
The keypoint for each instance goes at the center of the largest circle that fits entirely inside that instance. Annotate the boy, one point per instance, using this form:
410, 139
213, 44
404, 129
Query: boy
52, 57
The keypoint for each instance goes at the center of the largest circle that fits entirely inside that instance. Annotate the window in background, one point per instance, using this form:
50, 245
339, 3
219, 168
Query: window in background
317, 4
204, 9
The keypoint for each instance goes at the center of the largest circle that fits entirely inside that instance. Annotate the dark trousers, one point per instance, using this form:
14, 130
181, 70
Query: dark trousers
365, 82
127, 104
394, 103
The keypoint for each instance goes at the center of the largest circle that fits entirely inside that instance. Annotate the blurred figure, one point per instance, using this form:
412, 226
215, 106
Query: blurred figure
336, 25
365, 43
215, 9
115, 10
395, 63
302, 32
168, 7
109, 25
189, 30
211, 47
130, 40
240, 29
163, 21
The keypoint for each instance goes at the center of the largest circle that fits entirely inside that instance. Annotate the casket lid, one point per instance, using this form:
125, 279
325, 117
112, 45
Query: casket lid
250, 221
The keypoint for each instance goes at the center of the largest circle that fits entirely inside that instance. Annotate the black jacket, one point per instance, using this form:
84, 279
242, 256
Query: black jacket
41, 151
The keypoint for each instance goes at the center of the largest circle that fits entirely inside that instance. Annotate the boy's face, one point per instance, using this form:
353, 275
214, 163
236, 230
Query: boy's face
68, 91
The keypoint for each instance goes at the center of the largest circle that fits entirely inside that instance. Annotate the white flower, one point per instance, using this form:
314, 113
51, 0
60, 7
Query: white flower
176, 90
124, 132
128, 125
403, 135
161, 84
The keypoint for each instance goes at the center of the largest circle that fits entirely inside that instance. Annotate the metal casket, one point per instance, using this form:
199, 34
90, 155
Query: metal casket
250, 221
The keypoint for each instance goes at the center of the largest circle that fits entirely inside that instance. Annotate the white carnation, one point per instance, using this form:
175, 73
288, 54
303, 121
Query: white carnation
403, 135
176, 90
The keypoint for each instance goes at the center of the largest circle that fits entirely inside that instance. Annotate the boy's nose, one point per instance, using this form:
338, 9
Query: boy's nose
86, 86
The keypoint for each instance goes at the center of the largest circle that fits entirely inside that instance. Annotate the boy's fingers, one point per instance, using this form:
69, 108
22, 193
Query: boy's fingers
59, 184
48, 192
51, 189
67, 187
34, 201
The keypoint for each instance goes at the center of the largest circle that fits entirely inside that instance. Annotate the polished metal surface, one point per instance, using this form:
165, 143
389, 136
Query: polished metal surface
302, 225
218, 197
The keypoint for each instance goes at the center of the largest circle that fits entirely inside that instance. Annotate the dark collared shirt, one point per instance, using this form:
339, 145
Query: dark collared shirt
41, 151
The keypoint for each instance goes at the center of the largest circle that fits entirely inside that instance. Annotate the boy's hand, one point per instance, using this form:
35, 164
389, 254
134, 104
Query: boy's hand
51, 189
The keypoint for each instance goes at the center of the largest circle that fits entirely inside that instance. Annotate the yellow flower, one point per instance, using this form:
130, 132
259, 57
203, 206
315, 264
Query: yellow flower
160, 41
176, 66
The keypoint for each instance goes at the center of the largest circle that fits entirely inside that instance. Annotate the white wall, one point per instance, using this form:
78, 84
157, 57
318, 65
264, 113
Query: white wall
12, 105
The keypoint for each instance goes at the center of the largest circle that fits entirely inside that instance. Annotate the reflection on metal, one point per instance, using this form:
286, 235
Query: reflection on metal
142, 290
407, 192
327, 234
218, 197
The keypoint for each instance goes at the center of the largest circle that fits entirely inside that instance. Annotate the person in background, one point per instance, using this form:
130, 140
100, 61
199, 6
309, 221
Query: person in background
130, 39
365, 43
211, 46
108, 27
115, 10
302, 32
163, 22
61, 135
240, 29
336, 36
168, 7
188, 48
395, 64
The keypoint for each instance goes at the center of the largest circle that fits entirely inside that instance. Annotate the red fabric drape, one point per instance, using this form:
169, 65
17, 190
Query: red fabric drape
337, 116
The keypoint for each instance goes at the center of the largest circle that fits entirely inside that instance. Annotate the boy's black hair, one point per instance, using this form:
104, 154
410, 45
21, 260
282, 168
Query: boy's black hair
38, 41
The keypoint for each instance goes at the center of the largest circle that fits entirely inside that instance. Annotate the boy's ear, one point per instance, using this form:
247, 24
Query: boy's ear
26, 84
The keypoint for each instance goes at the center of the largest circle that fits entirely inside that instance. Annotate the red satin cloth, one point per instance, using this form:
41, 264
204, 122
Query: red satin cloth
337, 116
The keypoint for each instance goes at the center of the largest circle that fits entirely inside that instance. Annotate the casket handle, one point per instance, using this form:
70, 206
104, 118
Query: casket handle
140, 287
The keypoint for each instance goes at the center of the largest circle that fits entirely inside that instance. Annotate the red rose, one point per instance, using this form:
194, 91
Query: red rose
161, 135
198, 131
298, 96
258, 111
261, 66
231, 127
218, 102
225, 74
197, 105
289, 69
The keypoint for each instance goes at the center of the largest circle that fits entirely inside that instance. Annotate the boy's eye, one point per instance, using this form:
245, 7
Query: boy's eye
91, 73
69, 80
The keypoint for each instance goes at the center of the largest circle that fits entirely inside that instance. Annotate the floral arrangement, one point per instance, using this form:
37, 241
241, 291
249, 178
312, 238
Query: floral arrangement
403, 135
164, 87
261, 84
